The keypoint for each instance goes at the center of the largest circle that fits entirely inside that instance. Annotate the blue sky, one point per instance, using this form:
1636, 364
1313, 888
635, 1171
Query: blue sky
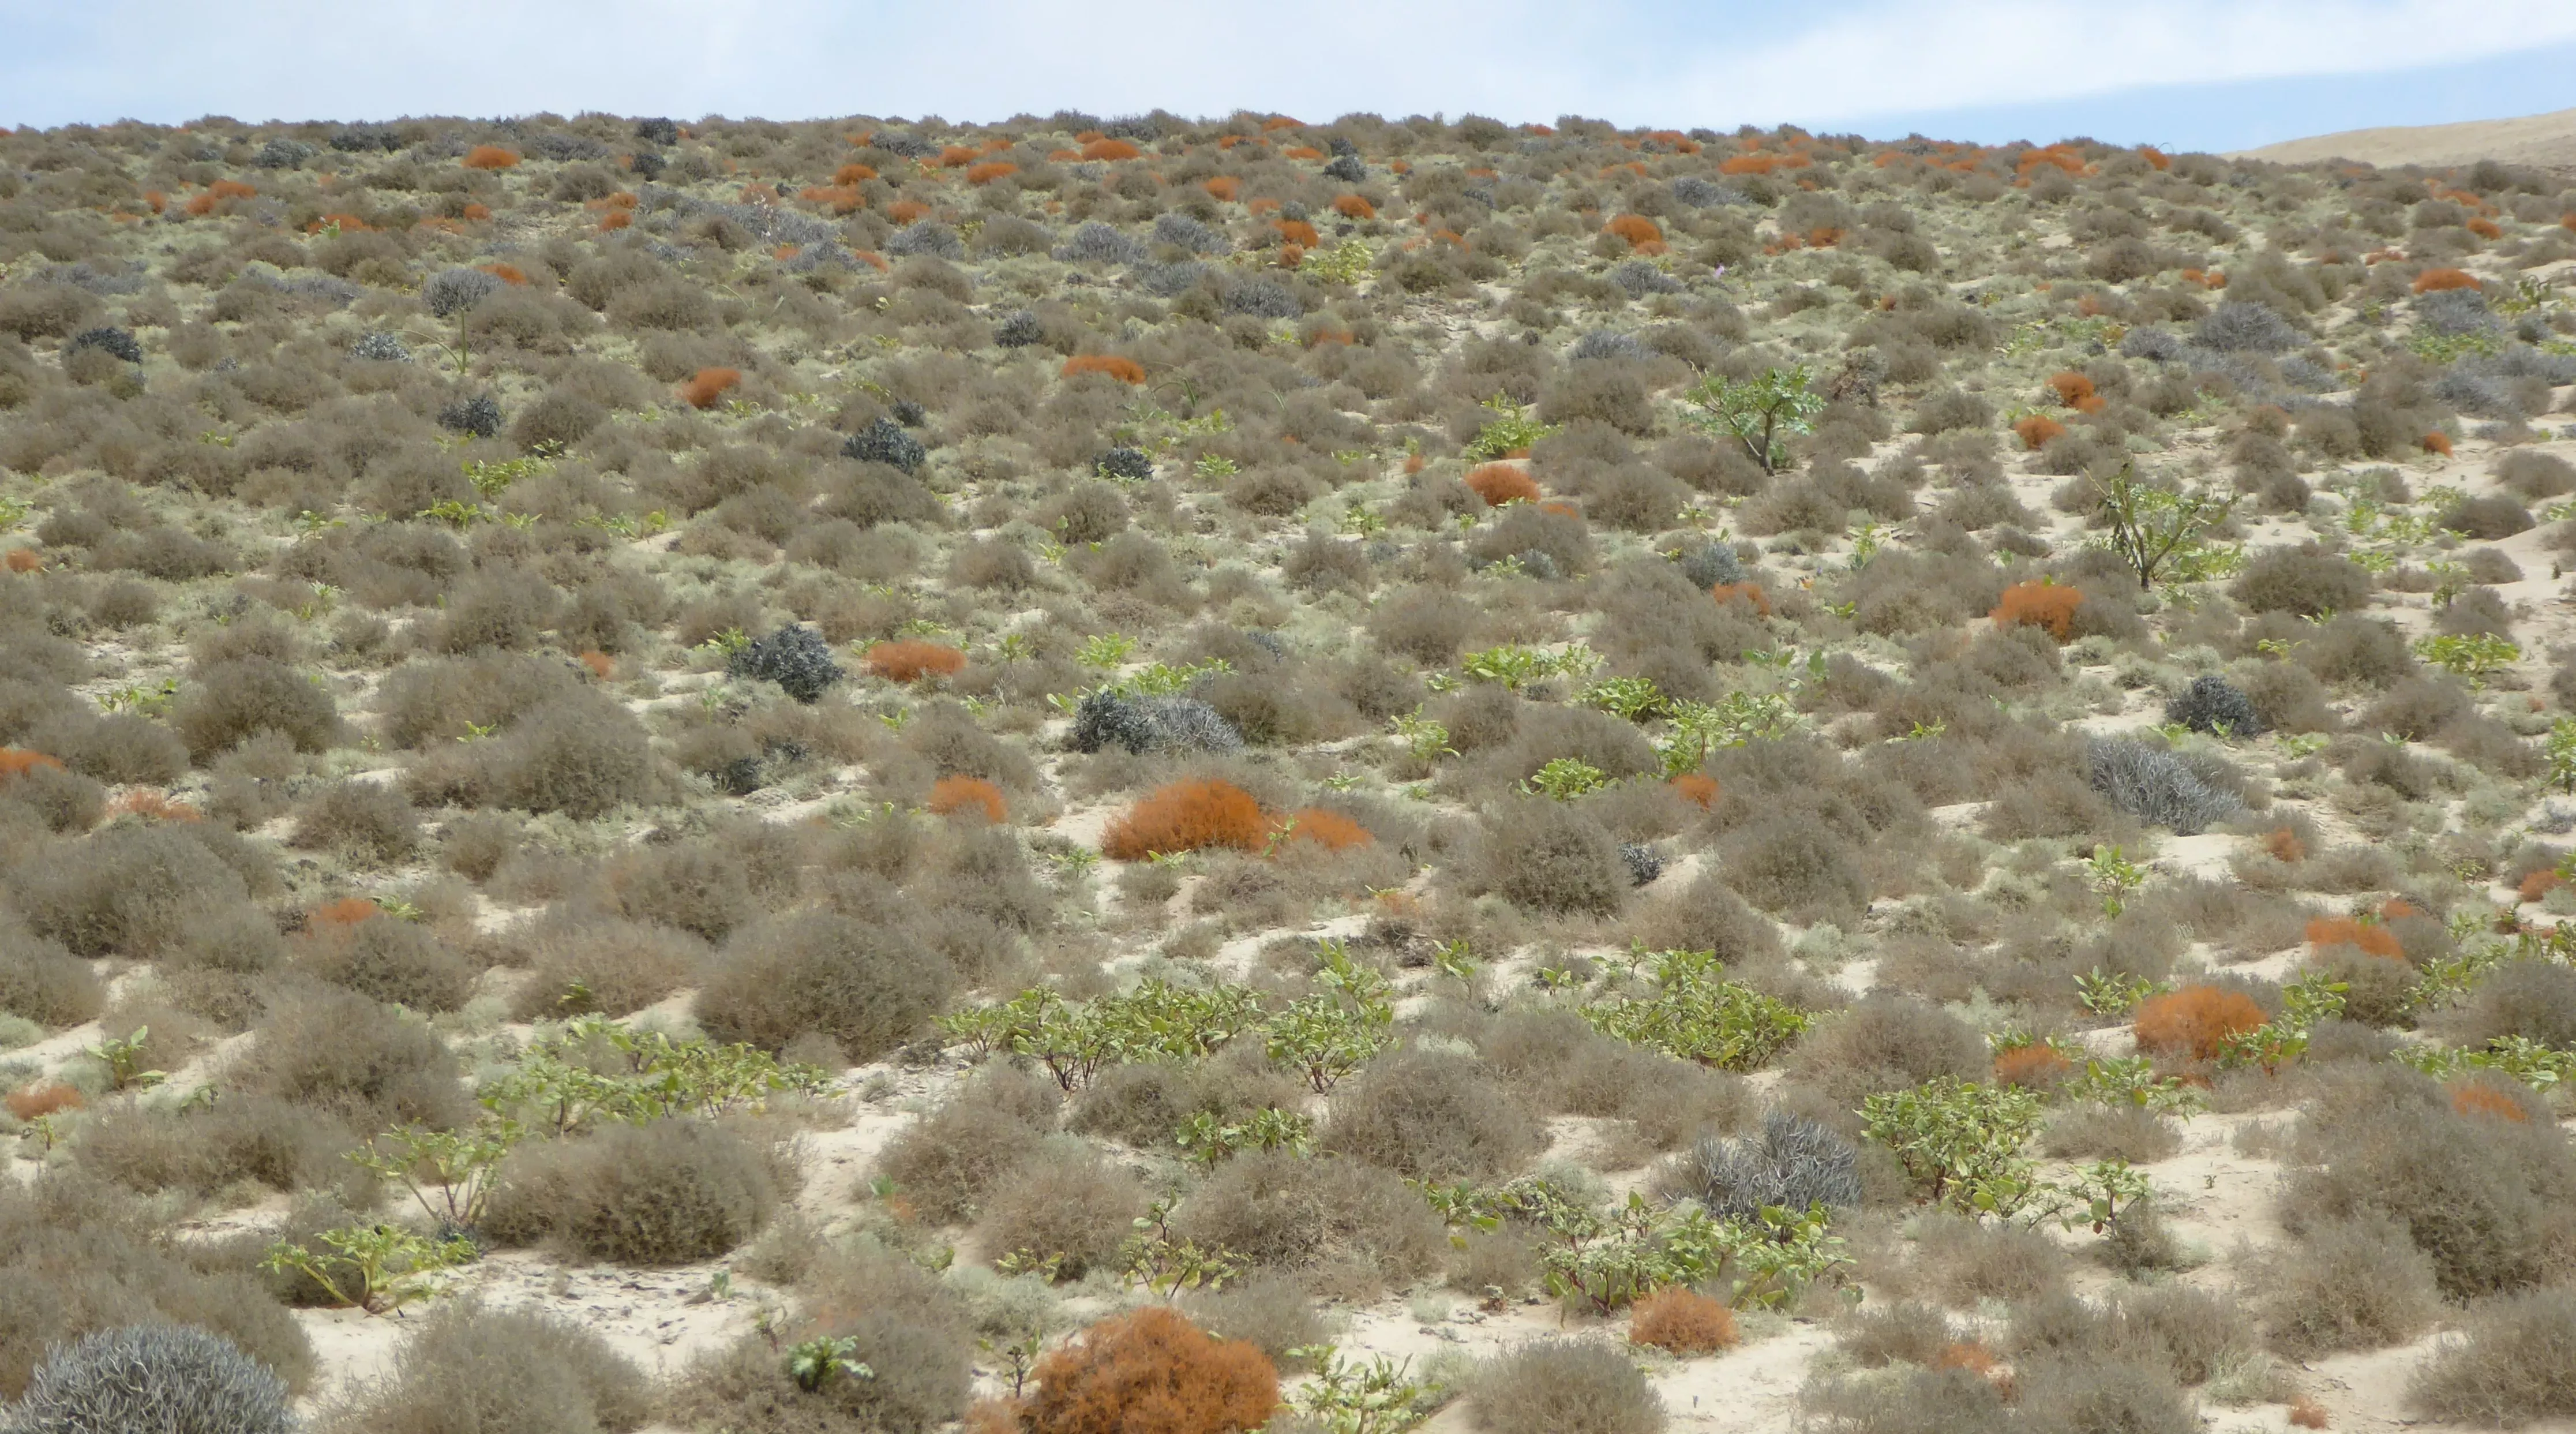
2195, 74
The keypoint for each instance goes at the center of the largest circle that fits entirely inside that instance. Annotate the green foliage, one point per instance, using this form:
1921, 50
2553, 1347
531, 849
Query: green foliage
2472, 656
1734, 720
458, 1165
375, 1268
490, 476
2156, 529
1760, 413
2113, 876
1426, 740
1960, 1142
140, 700
1166, 1264
813, 1363
1158, 1021
1208, 1139
1106, 650
1327, 1036
2520, 1057
2132, 1080
1516, 666
1634, 698
594, 1068
2103, 1192
123, 1061
1605, 1259
1345, 263
1378, 1397
2561, 750
1696, 1014
1565, 778
1511, 429
2112, 993
2304, 1002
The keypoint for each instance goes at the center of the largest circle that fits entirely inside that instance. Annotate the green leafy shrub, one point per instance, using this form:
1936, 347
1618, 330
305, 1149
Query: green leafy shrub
1960, 1143
1694, 1013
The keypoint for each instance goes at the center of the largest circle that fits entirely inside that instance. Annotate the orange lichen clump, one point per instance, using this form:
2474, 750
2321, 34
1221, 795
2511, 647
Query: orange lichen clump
2486, 228
853, 173
2433, 279
2075, 390
1301, 151
23, 560
153, 806
958, 156
2307, 1413
911, 659
1110, 149
2325, 931
2193, 1021
490, 156
2284, 845
1297, 231
616, 219
2539, 884
840, 199
2437, 443
1330, 830
35, 1102
1697, 788
347, 911
1635, 228
1353, 206
2042, 605
989, 171
2036, 430
1224, 187
18, 761
2037, 1065
708, 386
1750, 594
1187, 816
1125, 370
2477, 1097
601, 665
952, 795
1500, 483
1682, 1321
1151, 1372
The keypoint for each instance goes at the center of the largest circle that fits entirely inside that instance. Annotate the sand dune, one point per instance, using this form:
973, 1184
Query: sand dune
2548, 140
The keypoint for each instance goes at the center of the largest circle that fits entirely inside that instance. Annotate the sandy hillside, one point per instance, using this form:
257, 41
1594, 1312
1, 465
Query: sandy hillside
2548, 139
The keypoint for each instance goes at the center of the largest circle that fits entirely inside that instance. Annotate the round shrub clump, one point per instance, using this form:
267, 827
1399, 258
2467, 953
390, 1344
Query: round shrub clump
884, 441
153, 1379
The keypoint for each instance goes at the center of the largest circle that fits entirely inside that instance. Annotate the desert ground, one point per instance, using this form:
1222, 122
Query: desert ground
1190, 775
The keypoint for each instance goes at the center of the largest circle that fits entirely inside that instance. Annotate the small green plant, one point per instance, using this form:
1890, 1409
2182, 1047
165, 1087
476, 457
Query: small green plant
1378, 1397
1209, 1140
1694, 1013
2113, 876
728, 642
1215, 468
1565, 778
2112, 993
2311, 998
455, 514
449, 1172
2103, 1191
123, 1060
1327, 1036
1511, 429
491, 476
1632, 698
592, 1068
1516, 666
1107, 651
2474, 656
2561, 750
374, 1268
140, 700
1760, 413
1166, 1264
2152, 527
813, 1363
1960, 1142
1345, 263
1732, 721
2132, 1080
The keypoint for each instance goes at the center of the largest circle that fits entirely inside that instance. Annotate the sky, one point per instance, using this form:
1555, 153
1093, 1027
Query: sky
2189, 74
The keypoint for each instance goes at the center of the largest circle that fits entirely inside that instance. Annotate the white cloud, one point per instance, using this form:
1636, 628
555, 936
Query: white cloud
1630, 61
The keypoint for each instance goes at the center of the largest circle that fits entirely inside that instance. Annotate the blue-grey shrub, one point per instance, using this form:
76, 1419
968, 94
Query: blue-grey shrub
926, 237
1640, 277
152, 1379
382, 347
1263, 299
108, 339
1097, 243
1712, 565
1018, 329
1609, 344
1170, 280
2212, 703
1792, 1162
1347, 168
450, 292
2156, 786
1151, 724
1133, 464
884, 441
1190, 234
2246, 325
479, 416
795, 657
